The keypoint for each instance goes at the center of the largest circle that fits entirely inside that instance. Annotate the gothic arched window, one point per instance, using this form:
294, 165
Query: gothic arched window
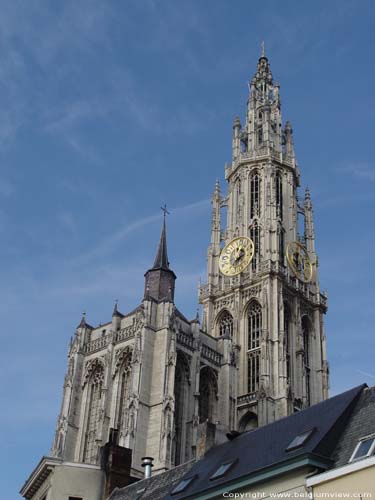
90, 452
287, 341
248, 422
281, 234
181, 384
254, 321
253, 359
260, 128
255, 183
124, 391
279, 194
226, 324
207, 395
254, 325
306, 355
255, 236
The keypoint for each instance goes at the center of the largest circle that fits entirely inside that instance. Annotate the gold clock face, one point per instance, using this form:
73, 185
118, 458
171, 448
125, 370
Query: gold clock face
236, 256
299, 261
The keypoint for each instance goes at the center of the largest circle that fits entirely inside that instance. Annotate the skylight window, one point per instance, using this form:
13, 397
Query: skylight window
300, 440
365, 448
182, 485
222, 470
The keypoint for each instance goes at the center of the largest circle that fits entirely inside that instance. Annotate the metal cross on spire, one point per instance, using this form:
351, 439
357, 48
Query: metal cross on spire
165, 211
263, 49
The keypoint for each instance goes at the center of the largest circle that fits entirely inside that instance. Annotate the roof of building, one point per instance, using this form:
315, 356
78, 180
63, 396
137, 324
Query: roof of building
156, 487
360, 424
266, 448
308, 437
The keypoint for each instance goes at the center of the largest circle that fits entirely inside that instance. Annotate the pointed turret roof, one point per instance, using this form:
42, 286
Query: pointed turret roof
160, 279
83, 323
161, 259
116, 312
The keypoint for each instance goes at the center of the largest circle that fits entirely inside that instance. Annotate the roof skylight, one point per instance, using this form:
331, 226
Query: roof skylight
222, 470
300, 440
182, 485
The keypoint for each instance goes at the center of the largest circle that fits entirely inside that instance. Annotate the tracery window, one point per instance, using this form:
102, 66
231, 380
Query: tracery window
255, 184
260, 129
254, 318
279, 194
226, 324
287, 341
254, 326
306, 355
181, 382
207, 395
281, 234
124, 391
255, 236
90, 453
253, 371
260, 135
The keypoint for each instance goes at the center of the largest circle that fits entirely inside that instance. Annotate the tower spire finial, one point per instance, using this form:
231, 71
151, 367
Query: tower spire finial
115, 309
165, 211
263, 51
82, 323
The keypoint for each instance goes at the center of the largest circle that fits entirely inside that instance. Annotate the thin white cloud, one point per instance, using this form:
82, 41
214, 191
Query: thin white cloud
109, 242
360, 170
366, 374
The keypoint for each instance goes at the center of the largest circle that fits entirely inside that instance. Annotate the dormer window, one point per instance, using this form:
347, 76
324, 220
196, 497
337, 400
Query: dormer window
365, 448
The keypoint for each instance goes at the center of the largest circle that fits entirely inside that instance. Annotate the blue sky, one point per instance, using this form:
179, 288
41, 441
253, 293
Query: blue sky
110, 109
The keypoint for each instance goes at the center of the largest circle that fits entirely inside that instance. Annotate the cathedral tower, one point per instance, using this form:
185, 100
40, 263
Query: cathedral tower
272, 310
152, 383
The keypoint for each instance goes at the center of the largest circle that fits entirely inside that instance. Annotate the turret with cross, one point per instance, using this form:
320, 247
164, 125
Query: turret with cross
160, 279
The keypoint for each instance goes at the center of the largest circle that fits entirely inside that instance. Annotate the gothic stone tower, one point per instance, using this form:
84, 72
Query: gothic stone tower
273, 310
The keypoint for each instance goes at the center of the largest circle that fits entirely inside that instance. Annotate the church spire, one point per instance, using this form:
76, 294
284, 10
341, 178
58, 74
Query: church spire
160, 279
161, 259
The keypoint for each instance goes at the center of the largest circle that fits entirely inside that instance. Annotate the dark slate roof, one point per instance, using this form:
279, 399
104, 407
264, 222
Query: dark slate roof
138, 308
264, 448
181, 316
154, 488
361, 423
116, 312
161, 259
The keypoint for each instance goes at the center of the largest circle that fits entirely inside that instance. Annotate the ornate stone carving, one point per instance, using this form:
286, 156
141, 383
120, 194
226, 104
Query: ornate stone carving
94, 368
120, 356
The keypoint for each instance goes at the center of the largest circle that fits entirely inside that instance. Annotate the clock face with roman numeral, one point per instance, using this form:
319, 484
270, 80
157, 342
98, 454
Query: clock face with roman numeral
236, 256
299, 261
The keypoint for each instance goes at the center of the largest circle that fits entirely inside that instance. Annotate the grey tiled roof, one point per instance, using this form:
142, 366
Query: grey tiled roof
337, 425
155, 488
266, 447
361, 423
